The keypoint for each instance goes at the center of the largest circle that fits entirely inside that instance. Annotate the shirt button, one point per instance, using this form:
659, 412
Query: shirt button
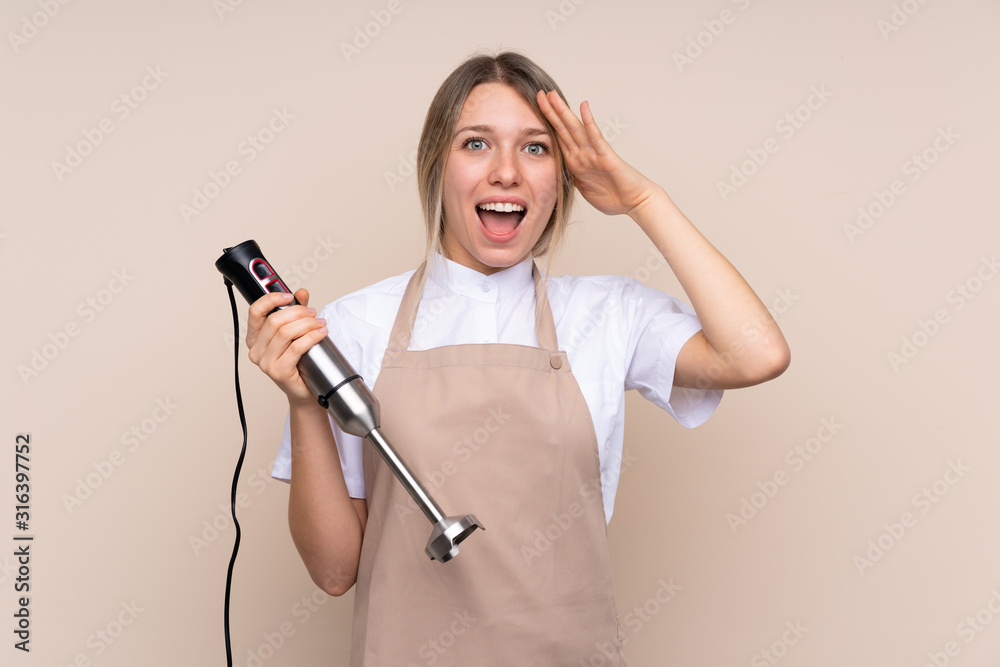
486, 287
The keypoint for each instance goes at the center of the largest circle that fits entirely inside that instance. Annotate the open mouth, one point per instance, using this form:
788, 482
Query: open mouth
500, 219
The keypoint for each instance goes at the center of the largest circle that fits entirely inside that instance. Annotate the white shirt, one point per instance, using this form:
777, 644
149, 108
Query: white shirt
618, 334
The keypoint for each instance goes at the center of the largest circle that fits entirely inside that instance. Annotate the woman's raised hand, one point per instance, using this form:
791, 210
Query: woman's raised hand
277, 341
610, 184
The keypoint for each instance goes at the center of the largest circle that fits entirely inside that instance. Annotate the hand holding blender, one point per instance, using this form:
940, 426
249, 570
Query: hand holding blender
339, 389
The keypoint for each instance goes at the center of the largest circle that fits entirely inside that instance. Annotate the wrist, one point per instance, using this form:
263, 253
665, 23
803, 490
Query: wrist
304, 404
652, 198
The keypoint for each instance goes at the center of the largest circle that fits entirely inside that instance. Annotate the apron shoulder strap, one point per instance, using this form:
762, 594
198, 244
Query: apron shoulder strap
545, 325
402, 327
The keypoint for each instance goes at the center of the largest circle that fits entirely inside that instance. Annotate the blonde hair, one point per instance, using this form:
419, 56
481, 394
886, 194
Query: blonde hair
524, 76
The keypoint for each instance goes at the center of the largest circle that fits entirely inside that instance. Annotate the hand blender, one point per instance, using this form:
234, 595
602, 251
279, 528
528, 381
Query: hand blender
342, 392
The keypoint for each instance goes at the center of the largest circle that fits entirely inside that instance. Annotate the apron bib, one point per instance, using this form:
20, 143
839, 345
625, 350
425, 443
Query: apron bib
503, 432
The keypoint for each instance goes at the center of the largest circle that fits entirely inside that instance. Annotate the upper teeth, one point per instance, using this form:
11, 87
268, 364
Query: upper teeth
503, 208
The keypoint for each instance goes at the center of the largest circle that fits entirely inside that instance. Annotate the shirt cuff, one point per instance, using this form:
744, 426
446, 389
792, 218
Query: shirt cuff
690, 406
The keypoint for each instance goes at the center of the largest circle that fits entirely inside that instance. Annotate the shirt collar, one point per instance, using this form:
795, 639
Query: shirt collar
470, 283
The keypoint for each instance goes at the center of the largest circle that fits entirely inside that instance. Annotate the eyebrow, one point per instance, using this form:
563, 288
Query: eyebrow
490, 129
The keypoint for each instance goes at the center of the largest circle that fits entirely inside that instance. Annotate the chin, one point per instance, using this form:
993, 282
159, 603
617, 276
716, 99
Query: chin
501, 259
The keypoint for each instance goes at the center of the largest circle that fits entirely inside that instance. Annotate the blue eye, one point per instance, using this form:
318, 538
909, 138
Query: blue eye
475, 144
536, 148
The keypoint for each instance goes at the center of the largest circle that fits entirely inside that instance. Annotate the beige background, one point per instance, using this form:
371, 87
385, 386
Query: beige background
136, 545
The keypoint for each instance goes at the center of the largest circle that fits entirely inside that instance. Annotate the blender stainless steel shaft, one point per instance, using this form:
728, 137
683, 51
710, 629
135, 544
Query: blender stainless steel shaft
344, 394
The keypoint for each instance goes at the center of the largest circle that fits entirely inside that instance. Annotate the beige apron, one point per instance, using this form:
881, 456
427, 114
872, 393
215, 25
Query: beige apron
503, 432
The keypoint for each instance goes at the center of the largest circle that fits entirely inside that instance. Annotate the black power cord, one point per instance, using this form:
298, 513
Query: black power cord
239, 466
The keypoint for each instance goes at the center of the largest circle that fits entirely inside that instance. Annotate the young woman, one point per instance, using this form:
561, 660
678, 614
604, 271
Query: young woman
503, 389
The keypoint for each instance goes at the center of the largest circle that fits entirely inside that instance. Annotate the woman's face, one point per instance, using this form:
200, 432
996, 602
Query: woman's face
500, 180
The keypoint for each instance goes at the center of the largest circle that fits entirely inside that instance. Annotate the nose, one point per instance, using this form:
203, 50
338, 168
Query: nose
504, 168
